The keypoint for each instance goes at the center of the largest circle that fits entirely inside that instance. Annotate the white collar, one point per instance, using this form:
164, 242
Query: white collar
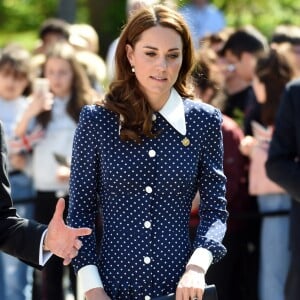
173, 112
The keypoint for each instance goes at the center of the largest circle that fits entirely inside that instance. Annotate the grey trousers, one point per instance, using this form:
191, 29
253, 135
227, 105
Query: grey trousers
292, 285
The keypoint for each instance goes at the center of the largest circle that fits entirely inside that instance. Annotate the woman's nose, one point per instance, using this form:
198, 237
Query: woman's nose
162, 63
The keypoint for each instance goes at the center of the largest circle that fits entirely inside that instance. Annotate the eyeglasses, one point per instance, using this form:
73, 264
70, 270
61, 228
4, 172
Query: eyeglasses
296, 50
230, 68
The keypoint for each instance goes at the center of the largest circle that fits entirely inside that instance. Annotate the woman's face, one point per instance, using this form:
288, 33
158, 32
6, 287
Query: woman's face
60, 75
157, 59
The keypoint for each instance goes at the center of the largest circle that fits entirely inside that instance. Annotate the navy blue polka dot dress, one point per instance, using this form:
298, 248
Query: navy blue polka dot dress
145, 193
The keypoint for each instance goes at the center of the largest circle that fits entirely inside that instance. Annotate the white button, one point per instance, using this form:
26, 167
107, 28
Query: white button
147, 260
152, 153
149, 189
147, 224
153, 117
147, 298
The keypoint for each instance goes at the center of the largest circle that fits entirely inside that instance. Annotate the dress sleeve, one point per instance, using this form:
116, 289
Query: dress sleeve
84, 186
212, 187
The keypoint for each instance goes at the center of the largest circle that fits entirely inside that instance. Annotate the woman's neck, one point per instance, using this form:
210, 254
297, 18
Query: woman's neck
157, 103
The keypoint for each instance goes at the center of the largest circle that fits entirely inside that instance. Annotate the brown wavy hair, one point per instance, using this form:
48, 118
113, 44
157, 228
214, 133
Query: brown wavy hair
81, 90
125, 96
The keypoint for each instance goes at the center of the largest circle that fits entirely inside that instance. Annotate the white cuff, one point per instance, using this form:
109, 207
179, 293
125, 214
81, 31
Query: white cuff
201, 258
89, 278
43, 255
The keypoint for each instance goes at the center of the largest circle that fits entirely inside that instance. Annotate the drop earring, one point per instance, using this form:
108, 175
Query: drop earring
132, 69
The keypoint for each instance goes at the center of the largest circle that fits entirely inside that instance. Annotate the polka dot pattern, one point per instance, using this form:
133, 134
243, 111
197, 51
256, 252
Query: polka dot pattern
145, 193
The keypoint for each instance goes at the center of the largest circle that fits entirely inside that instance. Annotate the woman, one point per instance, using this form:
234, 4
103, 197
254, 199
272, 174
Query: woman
139, 157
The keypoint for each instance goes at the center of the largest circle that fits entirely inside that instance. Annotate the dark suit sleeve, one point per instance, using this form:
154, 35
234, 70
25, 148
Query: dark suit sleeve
18, 237
282, 165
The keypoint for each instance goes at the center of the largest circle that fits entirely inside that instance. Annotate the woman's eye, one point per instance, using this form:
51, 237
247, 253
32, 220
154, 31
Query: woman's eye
150, 54
174, 55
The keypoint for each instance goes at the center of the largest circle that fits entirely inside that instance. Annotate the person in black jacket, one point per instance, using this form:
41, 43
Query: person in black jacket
27, 239
283, 167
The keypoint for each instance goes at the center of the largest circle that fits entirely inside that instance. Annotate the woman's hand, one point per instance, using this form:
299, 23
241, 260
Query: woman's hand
63, 173
18, 161
191, 285
247, 144
40, 102
37, 103
96, 294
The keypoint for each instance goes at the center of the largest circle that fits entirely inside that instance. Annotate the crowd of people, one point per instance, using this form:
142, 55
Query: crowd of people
180, 149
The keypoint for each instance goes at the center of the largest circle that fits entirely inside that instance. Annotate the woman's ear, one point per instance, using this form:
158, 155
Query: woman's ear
129, 54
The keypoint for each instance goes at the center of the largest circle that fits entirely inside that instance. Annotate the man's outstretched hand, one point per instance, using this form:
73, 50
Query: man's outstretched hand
61, 239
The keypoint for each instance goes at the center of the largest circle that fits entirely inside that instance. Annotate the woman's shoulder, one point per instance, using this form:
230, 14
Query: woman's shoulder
96, 112
200, 108
97, 118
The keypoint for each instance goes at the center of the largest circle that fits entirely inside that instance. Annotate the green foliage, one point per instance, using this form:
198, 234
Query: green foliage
28, 39
263, 14
23, 15
21, 19
82, 14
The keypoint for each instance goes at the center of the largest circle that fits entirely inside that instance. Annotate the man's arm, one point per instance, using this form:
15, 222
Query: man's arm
18, 237
21, 237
